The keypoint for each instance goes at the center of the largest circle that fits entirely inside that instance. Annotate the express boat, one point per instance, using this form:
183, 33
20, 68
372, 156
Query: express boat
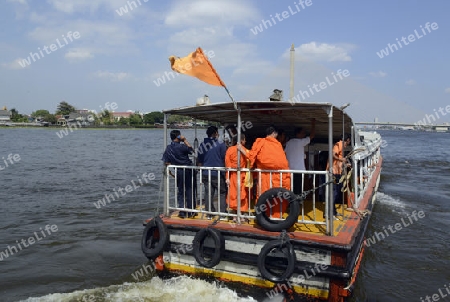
306, 251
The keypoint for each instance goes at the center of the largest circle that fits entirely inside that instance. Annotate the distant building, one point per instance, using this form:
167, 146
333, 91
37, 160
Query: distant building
5, 116
441, 128
60, 120
83, 119
118, 115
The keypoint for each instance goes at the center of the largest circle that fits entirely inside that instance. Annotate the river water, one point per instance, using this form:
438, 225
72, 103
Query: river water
90, 253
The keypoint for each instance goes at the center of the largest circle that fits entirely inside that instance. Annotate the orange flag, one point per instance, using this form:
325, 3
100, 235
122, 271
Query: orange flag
197, 65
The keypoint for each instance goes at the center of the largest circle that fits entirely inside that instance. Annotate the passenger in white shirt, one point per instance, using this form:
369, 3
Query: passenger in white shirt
295, 153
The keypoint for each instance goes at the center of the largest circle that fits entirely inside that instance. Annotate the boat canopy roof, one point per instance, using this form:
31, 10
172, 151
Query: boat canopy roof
262, 114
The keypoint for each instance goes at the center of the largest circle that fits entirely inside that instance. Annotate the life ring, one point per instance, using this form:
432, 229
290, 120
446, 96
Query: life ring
208, 259
288, 250
155, 238
275, 194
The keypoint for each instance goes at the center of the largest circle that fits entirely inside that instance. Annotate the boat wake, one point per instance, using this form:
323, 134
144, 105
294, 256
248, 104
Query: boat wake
175, 289
388, 200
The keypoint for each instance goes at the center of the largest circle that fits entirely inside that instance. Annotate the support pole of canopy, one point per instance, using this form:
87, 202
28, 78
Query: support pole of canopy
166, 197
355, 171
238, 167
330, 161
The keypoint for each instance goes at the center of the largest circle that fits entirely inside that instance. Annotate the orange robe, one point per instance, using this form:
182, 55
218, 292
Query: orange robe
231, 162
268, 154
337, 164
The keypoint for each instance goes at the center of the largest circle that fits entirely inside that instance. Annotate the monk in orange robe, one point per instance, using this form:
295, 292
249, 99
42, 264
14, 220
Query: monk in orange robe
231, 162
268, 154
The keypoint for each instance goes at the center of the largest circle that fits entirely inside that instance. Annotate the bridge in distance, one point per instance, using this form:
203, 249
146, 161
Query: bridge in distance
444, 127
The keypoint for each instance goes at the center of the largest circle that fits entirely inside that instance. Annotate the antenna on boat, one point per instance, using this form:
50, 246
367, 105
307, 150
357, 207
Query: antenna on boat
291, 84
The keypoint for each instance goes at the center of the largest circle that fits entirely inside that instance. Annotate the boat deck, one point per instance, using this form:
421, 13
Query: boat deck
309, 228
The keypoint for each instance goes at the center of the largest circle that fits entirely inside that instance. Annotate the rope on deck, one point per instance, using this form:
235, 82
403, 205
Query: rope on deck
305, 194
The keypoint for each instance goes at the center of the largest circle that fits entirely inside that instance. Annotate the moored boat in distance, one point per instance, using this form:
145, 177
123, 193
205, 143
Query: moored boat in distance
305, 251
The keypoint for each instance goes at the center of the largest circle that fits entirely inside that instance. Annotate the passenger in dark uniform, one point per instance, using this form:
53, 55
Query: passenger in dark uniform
178, 154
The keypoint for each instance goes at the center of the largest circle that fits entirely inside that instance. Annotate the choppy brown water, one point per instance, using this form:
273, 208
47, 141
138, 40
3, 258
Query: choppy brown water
95, 251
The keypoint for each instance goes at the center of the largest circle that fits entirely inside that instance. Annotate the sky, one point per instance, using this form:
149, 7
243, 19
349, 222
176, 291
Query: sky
93, 53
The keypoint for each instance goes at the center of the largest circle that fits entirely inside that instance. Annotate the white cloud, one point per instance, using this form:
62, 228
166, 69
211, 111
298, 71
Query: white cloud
23, 2
203, 12
15, 65
324, 52
78, 54
71, 7
112, 76
211, 25
111, 33
321, 52
447, 90
34, 17
410, 82
237, 55
21, 8
64, 6
199, 36
100, 37
378, 74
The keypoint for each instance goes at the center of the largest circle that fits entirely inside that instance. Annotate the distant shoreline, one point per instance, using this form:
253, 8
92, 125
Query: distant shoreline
79, 128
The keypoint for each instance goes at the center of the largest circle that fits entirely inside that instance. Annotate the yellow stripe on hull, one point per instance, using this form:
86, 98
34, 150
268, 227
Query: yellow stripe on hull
318, 293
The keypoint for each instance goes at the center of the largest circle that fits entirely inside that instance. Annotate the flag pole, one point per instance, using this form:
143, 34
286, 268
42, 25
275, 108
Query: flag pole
231, 97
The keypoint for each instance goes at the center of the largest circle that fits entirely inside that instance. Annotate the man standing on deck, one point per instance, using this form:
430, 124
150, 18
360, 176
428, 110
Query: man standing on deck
268, 154
178, 154
211, 153
338, 163
295, 153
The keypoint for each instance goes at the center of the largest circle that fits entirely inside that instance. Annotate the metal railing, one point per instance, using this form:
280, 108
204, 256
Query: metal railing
200, 191
363, 174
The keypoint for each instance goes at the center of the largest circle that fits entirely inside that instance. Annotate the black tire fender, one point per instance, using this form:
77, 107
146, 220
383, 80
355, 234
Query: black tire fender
198, 245
155, 238
287, 249
277, 225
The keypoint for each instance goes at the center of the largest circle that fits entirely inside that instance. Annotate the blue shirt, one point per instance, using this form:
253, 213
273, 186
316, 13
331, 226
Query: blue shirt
211, 153
177, 154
